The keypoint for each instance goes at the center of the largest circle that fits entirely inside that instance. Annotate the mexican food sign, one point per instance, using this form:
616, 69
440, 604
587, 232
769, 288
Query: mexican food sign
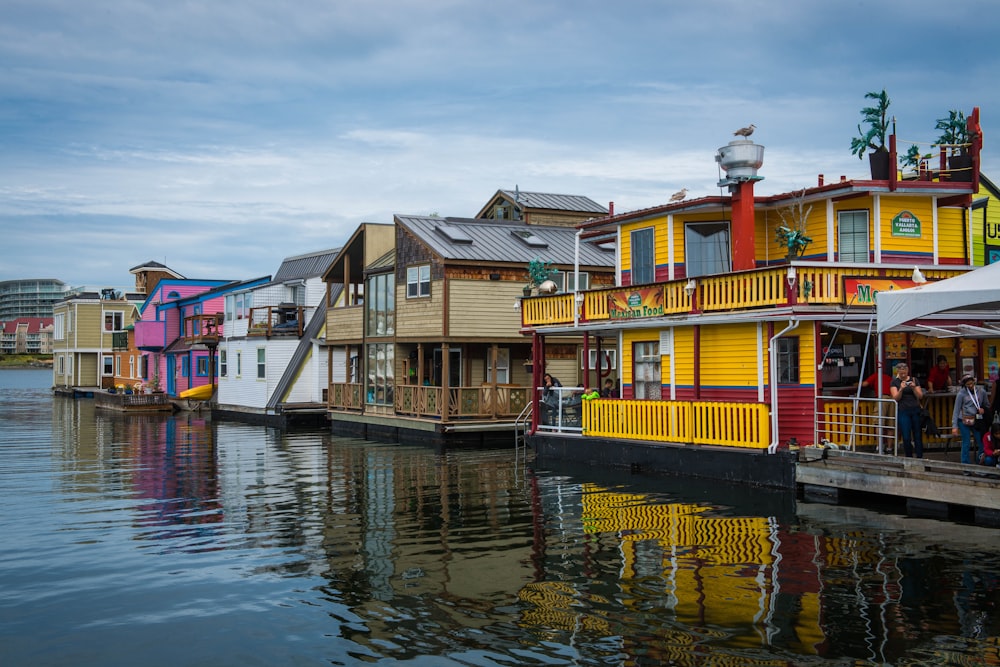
635, 303
862, 291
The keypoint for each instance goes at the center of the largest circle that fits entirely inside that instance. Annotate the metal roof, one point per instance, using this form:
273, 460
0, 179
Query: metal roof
554, 202
496, 241
309, 265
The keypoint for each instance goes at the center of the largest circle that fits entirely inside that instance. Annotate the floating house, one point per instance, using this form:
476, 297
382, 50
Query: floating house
271, 365
425, 335
744, 321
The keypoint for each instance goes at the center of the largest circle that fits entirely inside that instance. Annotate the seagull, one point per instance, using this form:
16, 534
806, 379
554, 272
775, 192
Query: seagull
679, 196
745, 131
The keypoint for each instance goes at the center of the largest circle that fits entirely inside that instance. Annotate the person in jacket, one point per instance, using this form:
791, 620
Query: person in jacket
969, 416
991, 445
906, 391
550, 398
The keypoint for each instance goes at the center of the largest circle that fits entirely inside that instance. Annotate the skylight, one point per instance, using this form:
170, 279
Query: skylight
528, 238
454, 234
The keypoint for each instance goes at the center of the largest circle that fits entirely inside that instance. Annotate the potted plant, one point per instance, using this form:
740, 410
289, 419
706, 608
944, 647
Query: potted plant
955, 139
538, 272
913, 158
873, 138
792, 233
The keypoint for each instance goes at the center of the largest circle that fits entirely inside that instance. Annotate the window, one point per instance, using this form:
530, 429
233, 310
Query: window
114, 320
230, 305
503, 365
788, 360
58, 326
239, 364
565, 280
706, 249
381, 374
118, 365
852, 239
247, 305
643, 257
418, 281
185, 366
609, 360
646, 380
223, 364
261, 363
62, 365
131, 366
381, 305
108, 363
202, 369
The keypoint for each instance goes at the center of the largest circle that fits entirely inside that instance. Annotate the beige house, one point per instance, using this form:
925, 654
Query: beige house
427, 335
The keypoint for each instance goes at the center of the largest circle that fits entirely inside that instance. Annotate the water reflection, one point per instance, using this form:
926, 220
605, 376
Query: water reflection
340, 551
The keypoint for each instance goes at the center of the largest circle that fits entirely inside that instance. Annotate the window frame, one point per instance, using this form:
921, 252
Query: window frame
261, 363
853, 234
642, 256
704, 265
503, 365
646, 352
788, 356
418, 281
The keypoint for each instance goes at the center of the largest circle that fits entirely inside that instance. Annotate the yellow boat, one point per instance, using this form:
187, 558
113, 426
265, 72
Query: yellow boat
202, 393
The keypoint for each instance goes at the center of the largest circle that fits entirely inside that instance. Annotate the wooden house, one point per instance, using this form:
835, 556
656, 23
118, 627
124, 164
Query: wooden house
744, 320
428, 326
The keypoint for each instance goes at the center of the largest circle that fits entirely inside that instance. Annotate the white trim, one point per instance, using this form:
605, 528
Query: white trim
760, 362
831, 231
670, 247
877, 227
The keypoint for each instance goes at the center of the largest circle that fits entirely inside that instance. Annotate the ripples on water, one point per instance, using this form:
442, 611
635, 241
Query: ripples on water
178, 541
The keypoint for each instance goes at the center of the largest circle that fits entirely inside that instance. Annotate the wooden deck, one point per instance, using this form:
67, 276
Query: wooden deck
937, 483
133, 402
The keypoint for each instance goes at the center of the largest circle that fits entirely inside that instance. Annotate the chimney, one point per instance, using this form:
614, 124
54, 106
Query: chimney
819, 181
741, 159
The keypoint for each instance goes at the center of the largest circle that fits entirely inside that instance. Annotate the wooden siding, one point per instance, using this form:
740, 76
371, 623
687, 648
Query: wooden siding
729, 356
483, 308
345, 324
421, 318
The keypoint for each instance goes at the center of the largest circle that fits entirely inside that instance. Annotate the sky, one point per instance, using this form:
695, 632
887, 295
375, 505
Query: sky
219, 137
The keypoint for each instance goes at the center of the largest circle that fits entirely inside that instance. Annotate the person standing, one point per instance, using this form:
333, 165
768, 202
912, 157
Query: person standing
939, 379
550, 398
906, 391
879, 383
610, 391
969, 415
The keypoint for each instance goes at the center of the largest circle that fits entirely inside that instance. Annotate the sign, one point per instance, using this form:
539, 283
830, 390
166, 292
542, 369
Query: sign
862, 291
906, 224
635, 303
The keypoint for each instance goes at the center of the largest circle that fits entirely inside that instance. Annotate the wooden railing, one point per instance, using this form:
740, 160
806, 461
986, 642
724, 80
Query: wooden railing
278, 321
203, 328
687, 422
463, 403
757, 288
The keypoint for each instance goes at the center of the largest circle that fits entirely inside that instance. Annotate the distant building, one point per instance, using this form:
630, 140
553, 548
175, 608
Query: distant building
26, 335
30, 297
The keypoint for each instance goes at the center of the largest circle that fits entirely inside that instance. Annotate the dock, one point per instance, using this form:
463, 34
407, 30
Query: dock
929, 486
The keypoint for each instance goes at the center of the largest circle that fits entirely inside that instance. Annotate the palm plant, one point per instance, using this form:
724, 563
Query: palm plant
954, 132
877, 119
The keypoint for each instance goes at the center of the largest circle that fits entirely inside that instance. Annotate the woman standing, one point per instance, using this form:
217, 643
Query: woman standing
906, 391
969, 414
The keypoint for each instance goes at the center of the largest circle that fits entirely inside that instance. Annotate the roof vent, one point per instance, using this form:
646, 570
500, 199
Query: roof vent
529, 238
740, 159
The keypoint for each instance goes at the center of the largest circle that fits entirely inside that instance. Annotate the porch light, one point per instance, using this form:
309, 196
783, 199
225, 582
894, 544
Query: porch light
918, 277
791, 277
517, 304
690, 287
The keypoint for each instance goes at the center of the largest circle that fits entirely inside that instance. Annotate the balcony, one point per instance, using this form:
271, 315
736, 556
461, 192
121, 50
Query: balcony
455, 404
786, 285
281, 320
151, 335
119, 341
203, 329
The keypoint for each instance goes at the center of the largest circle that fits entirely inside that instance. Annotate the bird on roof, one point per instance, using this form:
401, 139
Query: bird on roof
680, 195
745, 131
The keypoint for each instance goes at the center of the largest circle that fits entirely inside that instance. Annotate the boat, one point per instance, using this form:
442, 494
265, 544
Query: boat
202, 393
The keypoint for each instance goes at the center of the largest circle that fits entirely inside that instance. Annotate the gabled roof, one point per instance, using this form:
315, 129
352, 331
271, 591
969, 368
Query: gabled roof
154, 266
543, 201
464, 239
385, 262
34, 324
309, 265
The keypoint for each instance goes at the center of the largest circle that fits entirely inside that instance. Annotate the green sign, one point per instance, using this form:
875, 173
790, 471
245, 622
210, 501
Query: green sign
906, 224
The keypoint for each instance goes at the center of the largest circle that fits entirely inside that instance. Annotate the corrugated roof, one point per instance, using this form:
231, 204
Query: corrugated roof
494, 241
555, 202
309, 265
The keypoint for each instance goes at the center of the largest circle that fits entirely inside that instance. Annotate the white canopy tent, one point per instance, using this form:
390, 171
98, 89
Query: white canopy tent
972, 295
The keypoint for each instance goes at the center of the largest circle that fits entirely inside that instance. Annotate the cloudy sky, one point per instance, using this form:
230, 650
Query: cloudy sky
220, 136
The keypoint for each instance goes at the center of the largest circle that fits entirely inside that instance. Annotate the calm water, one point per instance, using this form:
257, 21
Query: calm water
131, 540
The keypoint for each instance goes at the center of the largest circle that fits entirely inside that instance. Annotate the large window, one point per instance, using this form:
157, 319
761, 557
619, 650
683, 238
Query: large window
566, 280
381, 374
381, 305
706, 249
643, 268
503, 365
853, 236
788, 360
418, 281
646, 378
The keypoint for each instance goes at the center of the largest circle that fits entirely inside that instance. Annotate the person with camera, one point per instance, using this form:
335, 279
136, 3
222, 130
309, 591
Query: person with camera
969, 416
906, 391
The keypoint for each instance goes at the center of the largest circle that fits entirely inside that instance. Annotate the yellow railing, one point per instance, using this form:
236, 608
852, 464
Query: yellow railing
695, 422
757, 288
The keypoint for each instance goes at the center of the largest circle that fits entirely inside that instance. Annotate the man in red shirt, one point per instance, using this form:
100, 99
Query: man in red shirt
871, 382
939, 379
